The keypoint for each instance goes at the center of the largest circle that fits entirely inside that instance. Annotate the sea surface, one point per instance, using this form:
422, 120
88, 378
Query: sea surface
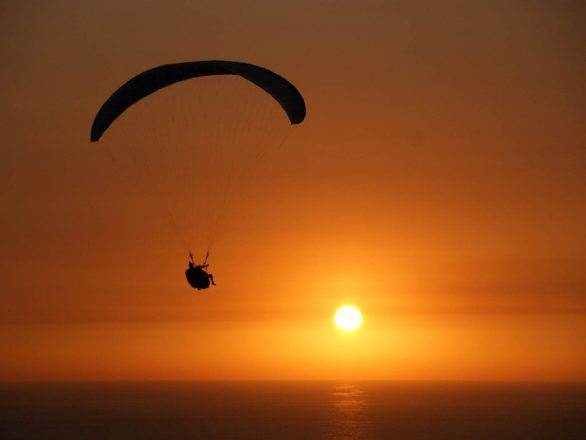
292, 410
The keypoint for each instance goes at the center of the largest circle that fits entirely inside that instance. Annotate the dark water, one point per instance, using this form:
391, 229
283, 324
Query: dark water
292, 410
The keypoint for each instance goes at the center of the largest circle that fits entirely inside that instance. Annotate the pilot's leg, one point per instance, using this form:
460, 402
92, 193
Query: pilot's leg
212, 279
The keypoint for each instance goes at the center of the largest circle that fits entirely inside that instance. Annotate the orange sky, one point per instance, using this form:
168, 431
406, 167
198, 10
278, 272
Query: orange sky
437, 183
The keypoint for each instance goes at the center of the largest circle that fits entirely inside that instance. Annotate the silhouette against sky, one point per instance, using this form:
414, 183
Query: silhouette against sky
437, 183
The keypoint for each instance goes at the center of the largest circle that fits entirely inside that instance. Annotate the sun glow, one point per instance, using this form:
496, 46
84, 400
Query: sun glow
348, 318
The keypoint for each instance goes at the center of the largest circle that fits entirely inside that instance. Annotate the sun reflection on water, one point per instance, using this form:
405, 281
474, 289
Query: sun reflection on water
348, 405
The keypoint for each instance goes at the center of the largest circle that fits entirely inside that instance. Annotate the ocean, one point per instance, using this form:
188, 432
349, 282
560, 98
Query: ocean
292, 410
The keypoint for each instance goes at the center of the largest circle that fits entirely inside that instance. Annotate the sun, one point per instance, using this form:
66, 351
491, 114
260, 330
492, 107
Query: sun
348, 318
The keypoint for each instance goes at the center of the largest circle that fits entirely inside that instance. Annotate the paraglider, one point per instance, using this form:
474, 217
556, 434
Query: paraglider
185, 163
197, 275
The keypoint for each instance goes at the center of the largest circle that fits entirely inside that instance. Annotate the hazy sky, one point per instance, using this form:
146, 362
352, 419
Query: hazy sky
438, 183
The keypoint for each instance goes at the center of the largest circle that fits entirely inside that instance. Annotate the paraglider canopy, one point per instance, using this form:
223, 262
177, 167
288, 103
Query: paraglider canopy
157, 78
